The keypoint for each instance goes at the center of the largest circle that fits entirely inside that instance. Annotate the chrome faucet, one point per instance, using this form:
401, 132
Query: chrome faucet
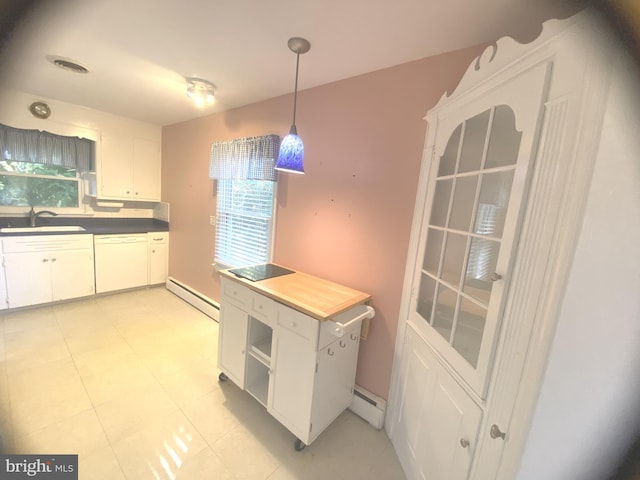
33, 215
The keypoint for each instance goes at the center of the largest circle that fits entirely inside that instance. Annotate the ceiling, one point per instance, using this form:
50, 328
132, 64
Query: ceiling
139, 52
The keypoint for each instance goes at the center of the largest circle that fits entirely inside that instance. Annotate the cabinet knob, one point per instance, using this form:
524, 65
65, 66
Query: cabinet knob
53, 259
44, 260
495, 277
153, 251
464, 443
495, 432
293, 324
128, 192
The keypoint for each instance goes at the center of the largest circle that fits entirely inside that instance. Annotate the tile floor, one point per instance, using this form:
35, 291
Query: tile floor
129, 383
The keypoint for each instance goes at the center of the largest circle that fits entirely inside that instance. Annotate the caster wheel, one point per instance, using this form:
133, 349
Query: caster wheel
222, 377
298, 445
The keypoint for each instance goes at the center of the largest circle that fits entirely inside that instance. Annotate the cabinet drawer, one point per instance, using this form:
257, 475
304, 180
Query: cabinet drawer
36, 243
236, 294
263, 309
158, 237
296, 322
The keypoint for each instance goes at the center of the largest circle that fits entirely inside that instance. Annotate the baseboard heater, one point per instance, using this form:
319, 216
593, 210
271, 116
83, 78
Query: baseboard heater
368, 406
203, 303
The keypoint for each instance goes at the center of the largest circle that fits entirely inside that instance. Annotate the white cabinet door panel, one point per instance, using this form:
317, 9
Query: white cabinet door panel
437, 423
28, 278
114, 173
72, 274
146, 169
233, 342
293, 378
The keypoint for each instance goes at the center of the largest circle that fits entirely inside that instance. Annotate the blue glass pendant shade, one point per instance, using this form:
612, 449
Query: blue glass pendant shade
291, 153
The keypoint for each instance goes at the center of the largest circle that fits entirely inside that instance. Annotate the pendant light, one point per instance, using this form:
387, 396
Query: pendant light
291, 148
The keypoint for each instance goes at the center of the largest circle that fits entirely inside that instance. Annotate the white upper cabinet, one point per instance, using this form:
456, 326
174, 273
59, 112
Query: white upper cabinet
129, 168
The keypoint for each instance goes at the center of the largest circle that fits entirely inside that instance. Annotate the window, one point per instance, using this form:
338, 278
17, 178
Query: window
42, 169
25, 184
243, 222
246, 186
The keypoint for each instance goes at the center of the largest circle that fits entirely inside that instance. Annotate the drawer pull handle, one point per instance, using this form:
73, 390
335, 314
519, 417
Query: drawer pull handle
44, 260
53, 259
331, 354
354, 337
342, 344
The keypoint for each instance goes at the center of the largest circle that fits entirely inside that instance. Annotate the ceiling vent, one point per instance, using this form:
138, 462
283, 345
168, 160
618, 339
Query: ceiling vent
67, 64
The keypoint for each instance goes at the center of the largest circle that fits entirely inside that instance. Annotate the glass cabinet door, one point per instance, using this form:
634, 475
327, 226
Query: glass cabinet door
464, 235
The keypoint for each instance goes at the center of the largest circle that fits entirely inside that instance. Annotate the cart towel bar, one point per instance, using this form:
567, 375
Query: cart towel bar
340, 327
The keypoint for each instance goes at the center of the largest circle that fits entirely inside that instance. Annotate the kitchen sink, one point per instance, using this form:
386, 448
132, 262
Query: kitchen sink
48, 228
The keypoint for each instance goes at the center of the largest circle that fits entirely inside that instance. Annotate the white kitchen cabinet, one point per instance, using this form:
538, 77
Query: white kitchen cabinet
158, 255
42, 269
129, 168
300, 368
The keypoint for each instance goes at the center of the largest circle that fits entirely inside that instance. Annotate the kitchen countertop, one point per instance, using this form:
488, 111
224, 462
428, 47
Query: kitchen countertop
318, 298
92, 225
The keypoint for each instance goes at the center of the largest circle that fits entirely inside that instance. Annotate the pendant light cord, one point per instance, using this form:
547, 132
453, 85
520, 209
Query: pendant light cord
295, 90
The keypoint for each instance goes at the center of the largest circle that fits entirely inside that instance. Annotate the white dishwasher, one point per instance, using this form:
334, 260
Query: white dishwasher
121, 261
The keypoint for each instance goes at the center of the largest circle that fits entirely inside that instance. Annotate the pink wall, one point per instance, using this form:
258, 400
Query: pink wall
349, 218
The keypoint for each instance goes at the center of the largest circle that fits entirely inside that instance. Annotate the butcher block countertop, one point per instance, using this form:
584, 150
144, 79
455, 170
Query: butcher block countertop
311, 295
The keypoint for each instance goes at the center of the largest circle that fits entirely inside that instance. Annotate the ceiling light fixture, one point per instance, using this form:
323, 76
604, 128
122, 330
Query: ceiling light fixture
291, 149
201, 91
40, 110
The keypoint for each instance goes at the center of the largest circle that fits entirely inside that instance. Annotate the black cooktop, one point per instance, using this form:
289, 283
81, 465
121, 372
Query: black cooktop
256, 273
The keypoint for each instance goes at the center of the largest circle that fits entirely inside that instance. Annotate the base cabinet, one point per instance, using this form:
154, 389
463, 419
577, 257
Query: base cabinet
38, 268
291, 363
158, 255
441, 445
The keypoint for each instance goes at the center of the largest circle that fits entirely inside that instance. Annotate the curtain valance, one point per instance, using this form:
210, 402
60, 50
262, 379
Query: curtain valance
249, 158
35, 146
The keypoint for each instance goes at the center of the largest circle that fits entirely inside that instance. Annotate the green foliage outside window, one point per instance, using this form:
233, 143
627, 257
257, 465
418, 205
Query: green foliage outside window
31, 184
